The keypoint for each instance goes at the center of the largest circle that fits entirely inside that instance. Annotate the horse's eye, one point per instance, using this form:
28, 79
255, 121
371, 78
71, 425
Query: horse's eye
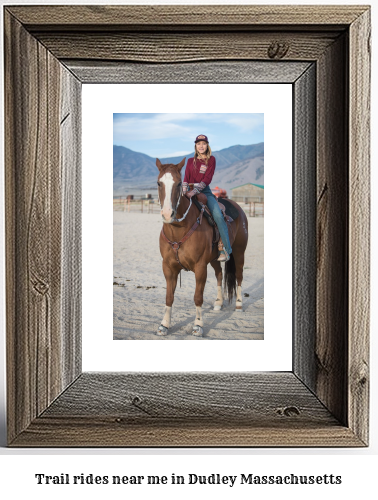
179, 184
158, 184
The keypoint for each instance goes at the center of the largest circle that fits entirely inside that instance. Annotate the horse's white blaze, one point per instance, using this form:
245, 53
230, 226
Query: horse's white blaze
168, 181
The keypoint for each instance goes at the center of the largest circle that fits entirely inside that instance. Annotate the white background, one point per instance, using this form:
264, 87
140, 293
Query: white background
100, 351
358, 466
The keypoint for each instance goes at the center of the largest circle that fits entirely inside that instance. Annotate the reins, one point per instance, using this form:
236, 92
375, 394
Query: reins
185, 214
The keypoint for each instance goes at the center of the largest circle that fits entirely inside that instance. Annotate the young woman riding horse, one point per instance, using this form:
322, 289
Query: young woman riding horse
200, 171
186, 239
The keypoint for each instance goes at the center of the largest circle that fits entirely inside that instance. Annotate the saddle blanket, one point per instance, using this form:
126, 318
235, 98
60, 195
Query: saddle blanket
231, 211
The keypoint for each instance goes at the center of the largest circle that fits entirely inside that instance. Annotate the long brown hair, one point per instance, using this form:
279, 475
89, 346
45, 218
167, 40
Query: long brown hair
196, 155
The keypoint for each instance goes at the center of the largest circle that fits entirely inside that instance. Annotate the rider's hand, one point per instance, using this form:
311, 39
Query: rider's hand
191, 193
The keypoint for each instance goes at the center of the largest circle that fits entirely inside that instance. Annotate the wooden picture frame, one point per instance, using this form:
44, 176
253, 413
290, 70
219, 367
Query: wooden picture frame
324, 52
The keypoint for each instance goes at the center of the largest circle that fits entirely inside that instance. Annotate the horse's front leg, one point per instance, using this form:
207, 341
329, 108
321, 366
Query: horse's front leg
171, 280
201, 275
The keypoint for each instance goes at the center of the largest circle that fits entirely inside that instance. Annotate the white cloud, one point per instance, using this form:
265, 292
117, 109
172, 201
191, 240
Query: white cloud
181, 125
247, 122
243, 121
179, 117
156, 127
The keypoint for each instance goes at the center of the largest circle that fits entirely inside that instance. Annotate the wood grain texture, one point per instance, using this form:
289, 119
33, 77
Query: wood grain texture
31, 309
181, 47
359, 226
221, 396
33, 227
185, 15
304, 227
323, 402
100, 432
199, 72
332, 230
197, 409
71, 286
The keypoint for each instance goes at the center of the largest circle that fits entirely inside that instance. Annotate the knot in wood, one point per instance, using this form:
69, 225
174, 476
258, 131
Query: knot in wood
136, 400
288, 411
362, 375
41, 287
277, 50
140, 404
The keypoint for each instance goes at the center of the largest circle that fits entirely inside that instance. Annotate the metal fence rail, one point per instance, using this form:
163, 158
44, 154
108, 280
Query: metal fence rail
151, 206
147, 206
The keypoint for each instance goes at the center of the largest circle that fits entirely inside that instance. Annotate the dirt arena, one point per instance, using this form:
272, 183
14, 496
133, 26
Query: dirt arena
139, 287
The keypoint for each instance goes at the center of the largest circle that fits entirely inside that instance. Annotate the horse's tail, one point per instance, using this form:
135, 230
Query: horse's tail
229, 283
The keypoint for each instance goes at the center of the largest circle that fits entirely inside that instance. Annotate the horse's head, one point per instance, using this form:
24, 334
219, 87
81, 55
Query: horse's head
169, 189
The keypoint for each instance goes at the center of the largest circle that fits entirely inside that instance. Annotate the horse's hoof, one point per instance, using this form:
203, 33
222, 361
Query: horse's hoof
217, 308
197, 331
239, 305
162, 330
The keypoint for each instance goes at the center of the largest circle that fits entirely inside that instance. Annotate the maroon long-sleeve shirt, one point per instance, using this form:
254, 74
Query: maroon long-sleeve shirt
201, 176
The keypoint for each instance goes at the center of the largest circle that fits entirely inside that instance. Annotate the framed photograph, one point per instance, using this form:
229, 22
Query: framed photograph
323, 52
233, 170
253, 115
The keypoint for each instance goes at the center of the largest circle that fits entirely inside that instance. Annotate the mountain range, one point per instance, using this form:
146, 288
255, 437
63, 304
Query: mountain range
235, 165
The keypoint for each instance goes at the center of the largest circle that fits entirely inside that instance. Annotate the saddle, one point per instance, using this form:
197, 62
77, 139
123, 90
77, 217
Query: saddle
227, 209
230, 213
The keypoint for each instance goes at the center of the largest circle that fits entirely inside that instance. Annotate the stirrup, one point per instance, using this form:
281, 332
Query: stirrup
223, 256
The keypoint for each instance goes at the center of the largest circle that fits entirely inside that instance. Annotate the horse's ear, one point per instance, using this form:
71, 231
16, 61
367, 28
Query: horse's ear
158, 163
181, 164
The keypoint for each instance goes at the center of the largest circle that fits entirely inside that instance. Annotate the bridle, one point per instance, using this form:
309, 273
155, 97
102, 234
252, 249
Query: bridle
186, 213
177, 204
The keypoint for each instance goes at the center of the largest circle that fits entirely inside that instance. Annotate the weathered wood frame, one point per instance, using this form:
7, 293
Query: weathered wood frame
49, 53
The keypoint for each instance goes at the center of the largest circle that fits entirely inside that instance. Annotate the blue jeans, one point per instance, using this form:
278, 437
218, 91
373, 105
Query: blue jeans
212, 203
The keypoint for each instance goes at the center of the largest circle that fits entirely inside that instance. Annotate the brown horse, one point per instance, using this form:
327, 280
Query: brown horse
185, 243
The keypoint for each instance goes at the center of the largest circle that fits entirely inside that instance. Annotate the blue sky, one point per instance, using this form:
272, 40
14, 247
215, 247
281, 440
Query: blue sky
172, 134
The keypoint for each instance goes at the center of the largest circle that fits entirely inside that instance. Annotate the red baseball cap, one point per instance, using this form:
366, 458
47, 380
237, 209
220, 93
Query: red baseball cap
201, 138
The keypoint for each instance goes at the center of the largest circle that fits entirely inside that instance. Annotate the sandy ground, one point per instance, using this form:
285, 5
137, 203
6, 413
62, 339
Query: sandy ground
139, 287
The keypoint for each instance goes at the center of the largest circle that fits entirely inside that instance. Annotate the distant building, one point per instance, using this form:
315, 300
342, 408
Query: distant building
247, 193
